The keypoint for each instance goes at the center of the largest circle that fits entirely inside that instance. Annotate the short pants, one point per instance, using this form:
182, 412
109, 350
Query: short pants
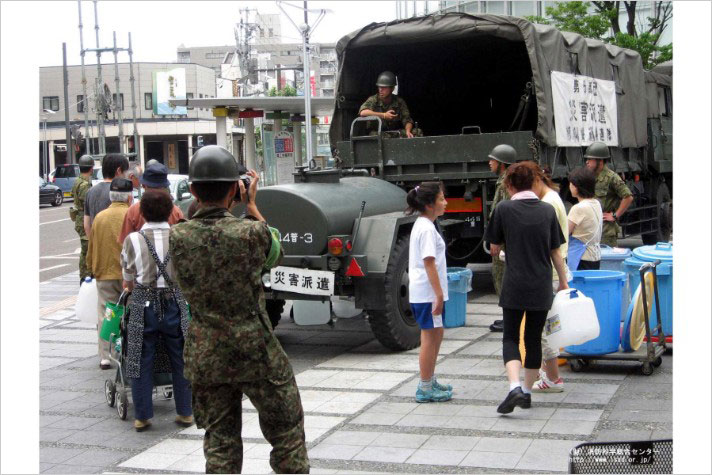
424, 316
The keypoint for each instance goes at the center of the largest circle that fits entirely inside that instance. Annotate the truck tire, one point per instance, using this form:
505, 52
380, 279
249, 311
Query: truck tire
274, 311
664, 202
395, 327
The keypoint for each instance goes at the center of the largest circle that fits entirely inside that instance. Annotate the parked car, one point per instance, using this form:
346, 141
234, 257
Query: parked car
50, 194
64, 177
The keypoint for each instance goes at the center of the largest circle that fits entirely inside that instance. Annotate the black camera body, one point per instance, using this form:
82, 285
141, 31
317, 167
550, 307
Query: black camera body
245, 181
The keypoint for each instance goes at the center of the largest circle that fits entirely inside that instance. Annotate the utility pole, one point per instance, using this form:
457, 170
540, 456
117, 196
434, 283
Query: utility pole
243, 36
85, 99
70, 147
119, 103
305, 31
133, 103
100, 99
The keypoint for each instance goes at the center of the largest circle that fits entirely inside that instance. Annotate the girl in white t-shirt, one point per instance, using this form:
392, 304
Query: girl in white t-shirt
585, 222
427, 273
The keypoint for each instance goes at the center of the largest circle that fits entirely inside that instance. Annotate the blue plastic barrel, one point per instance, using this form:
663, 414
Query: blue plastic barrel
642, 255
605, 287
612, 258
459, 282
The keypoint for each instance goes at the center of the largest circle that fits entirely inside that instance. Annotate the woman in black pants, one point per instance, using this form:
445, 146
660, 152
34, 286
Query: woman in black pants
532, 235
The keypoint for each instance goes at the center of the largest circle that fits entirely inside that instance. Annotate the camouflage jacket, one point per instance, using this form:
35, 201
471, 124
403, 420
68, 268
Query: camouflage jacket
218, 261
398, 106
79, 192
500, 194
610, 190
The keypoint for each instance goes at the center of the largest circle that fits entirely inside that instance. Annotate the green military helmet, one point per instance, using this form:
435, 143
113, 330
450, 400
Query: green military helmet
386, 79
213, 163
503, 153
597, 151
86, 161
152, 161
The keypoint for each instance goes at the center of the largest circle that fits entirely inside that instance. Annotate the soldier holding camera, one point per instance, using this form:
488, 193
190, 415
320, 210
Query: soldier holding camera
231, 349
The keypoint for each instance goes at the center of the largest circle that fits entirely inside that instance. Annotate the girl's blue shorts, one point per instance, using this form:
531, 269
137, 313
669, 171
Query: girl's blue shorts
424, 316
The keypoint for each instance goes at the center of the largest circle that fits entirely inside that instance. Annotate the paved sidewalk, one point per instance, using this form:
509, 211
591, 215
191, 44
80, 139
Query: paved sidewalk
358, 399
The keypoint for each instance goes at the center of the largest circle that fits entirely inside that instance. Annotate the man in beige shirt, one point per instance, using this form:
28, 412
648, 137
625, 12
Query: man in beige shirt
104, 251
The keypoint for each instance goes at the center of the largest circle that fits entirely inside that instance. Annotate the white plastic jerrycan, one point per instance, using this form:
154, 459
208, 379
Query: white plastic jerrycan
572, 319
87, 301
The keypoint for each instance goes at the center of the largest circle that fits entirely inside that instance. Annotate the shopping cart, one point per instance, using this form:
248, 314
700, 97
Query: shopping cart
117, 390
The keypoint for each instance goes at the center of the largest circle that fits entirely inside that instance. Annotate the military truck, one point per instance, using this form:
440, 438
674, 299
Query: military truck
471, 82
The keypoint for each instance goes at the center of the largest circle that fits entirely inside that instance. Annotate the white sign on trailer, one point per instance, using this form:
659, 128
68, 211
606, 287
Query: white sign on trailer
585, 110
302, 281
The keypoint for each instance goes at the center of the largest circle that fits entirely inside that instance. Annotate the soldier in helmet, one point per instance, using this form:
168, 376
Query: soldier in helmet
392, 110
231, 349
79, 193
611, 191
500, 157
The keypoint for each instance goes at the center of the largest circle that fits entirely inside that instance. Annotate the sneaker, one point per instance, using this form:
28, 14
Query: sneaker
105, 364
516, 397
434, 395
543, 385
185, 421
441, 387
141, 425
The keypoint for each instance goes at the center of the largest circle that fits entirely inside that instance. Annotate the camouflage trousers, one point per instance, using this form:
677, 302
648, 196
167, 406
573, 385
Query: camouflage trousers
218, 409
610, 234
497, 274
83, 269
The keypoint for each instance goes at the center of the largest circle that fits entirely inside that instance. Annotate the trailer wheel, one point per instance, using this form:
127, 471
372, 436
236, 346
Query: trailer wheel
274, 311
646, 369
395, 327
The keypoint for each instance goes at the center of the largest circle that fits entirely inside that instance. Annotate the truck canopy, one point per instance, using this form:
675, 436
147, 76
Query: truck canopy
456, 70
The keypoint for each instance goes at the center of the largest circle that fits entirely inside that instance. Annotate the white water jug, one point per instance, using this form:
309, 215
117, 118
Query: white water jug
572, 319
87, 301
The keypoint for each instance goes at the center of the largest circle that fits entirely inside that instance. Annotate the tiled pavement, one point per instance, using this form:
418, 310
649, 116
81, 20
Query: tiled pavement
358, 399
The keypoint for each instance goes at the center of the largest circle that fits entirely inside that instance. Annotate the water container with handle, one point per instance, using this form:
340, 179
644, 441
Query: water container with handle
572, 319
87, 299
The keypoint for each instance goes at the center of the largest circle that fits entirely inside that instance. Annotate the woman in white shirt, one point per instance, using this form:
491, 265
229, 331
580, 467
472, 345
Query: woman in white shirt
585, 222
427, 286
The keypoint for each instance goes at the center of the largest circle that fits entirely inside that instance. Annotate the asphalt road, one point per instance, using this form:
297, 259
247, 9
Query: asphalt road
59, 243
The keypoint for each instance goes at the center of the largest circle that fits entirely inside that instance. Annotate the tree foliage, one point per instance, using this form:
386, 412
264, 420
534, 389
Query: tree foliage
286, 91
575, 17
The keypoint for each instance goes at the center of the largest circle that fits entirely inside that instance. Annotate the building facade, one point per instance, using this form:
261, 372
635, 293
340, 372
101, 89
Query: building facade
170, 139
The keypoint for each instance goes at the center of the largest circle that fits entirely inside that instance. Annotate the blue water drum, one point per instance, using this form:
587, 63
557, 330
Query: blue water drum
642, 255
605, 287
612, 259
459, 283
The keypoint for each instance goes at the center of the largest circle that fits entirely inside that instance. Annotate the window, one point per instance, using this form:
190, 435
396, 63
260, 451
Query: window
50, 103
472, 7
148, 101
189, 95
184, 57
522, 9
271, 32
118, 104
200, 96
80, 103
495, 7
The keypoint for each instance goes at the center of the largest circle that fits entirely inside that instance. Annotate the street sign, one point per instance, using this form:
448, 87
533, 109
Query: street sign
284, 145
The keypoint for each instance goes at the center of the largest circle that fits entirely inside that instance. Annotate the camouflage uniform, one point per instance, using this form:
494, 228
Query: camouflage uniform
395, 126
231, 349
500, 194
76, 213
610, 190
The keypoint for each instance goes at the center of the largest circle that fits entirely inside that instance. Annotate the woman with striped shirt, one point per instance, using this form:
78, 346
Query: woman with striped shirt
158, 314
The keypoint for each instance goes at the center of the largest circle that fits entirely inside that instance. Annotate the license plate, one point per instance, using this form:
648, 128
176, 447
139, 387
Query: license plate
67, 194
302, 281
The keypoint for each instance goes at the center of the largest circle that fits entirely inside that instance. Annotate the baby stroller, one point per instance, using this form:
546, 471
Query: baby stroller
117, 391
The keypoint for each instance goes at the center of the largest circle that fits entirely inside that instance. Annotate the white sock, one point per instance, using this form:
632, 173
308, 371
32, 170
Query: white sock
526, 391
426, 385
514, 385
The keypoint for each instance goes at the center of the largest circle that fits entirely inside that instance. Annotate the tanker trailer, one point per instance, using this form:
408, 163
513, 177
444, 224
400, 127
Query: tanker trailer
342, 237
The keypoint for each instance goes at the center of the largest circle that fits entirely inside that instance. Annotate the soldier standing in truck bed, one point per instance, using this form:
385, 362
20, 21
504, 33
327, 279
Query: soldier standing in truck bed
611, 191
231, 349
500, 157
392, 110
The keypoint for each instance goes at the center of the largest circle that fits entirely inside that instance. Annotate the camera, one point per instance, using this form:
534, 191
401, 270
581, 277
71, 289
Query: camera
245, 179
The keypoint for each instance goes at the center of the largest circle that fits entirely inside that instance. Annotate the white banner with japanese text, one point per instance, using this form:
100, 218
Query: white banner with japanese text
585, 110
302, 281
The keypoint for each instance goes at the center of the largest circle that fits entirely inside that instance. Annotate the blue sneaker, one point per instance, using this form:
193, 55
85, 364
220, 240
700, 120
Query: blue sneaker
434, 395
441, 387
